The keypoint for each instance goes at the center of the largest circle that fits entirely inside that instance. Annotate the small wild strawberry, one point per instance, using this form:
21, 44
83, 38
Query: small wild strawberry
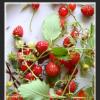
26, 51
75, 34
72, 86
67, 42
72, 6
35, 6
15, 97
37, 70
87, 10
52, 69
29, 76
42, 46
23, 67
52, 57
81, 93
18, 31
75, 57
59, 91
63, 11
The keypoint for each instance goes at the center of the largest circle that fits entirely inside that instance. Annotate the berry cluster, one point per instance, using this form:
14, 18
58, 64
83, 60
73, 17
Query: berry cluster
30, 58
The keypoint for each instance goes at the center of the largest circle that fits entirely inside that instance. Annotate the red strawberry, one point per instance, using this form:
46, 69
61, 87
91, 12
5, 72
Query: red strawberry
26, 51
72, 7
35, 6
42, 46
29, 63
87, 10
18, 31
75, 34
59, 92
69, 66
52, 57
29, 76
63, 11
52, 70
15, 97
81, 93
37, 70
75, 57
66, 42
72, 86
23, 67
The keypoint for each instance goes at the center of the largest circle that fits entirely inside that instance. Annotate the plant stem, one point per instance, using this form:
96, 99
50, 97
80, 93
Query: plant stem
75, 20
13, 78
30, 26
69, 80
70, 77
30, 70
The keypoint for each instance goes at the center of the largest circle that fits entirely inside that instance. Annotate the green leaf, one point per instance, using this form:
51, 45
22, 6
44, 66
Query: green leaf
89, 91
53, 80
91, 30
35, 90
51, 27
89, 60
91, 42
66, 57
13, 59
91, 38
12, 56
59, 51
30, 57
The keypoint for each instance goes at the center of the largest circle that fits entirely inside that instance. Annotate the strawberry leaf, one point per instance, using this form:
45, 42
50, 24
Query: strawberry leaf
35, 90
59, 51
51, 27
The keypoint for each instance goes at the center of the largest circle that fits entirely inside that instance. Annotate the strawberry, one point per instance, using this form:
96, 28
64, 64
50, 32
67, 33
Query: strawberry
72, 7
63, 11
26, 51
59, 92
52, 69
37, 70
69, 66
15, 97
18, 31
66, 42
29, 76
52, 57
75, 57
42, 46
72, 86
75, 34
23, 67
35, 6
81, 93
29, 63
87, 10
